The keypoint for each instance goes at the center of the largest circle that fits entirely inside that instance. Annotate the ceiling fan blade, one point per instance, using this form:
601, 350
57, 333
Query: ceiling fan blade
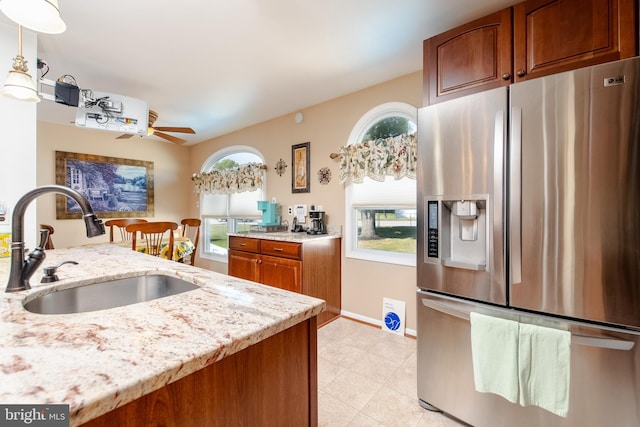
175, 129
125, 136
171, 138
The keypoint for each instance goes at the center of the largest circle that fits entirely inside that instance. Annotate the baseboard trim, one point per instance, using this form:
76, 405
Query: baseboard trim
373, 322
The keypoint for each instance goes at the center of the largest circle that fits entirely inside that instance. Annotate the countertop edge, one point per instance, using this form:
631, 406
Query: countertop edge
286, 236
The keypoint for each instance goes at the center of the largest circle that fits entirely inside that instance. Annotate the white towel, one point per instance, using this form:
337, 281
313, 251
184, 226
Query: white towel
544, 368
494, 350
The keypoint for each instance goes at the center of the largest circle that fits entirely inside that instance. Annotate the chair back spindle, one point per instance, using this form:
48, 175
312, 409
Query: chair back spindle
153, 233
120, 225
191, 230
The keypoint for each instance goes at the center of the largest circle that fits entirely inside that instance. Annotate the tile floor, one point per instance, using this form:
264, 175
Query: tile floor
367, 377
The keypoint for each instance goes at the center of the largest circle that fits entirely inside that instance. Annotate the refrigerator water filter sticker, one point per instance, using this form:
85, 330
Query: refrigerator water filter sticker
393, 313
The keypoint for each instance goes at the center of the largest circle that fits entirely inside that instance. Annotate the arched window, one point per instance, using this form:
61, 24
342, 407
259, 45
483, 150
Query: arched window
228, 213
381, 215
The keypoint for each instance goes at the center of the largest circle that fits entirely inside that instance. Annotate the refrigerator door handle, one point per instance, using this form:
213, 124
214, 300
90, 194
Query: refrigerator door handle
457, 310
609, 343
515, 190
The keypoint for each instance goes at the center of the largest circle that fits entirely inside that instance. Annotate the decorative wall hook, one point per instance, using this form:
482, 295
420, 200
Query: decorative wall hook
281, 165
324, 175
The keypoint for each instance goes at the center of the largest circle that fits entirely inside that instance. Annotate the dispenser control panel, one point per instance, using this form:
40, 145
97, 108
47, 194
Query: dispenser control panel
456, 231
432, 229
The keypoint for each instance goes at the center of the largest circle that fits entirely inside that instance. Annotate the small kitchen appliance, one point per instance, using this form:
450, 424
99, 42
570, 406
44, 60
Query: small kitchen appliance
270, 212
317, 223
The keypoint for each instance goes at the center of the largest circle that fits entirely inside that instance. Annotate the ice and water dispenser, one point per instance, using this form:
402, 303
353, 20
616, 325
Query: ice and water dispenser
457, 232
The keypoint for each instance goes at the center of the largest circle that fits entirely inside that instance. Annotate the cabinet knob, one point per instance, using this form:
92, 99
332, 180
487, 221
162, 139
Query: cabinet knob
506, 76
520, 73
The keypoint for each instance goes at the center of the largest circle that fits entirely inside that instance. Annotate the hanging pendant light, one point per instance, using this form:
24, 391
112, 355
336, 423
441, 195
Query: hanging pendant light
19, 84
37, 15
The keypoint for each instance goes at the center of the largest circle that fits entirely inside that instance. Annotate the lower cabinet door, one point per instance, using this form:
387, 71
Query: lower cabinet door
244, 265
282, 273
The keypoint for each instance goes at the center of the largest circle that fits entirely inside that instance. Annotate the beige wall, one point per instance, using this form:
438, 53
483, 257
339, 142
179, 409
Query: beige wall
171, 164
326, 126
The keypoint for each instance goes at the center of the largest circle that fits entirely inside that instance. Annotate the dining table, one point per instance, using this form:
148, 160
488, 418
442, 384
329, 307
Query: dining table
182, 247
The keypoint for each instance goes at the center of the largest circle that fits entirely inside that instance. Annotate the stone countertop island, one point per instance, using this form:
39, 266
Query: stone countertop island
230, 352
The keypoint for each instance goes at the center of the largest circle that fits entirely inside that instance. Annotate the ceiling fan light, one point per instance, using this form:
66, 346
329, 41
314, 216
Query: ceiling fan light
19, 85
150, 131
38, 15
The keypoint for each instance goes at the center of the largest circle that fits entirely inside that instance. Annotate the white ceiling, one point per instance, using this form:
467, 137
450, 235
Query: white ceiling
221, 66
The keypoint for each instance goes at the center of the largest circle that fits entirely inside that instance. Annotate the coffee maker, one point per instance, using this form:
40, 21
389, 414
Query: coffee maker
317, 223
270, 213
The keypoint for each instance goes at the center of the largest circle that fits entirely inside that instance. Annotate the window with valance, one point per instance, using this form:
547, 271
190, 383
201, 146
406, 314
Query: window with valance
378, 168
230, 184
247, 177
394, 156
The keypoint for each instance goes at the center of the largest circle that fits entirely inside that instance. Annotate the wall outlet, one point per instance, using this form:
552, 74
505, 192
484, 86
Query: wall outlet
290, 210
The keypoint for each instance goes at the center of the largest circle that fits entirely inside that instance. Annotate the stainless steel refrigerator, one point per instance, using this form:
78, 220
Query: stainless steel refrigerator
530, 205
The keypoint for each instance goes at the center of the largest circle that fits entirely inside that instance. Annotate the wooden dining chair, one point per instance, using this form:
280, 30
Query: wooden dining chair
154, 232
191, 230
49, 243
120, 225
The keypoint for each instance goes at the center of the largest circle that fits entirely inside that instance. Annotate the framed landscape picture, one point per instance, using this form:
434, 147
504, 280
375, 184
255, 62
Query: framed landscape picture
116, 188
300, 158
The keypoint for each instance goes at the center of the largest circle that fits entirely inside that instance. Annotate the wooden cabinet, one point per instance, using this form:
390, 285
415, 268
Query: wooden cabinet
311, 267
560, 35
271, 262
255, 386
468, 59
282, 273
532, 39
245, 265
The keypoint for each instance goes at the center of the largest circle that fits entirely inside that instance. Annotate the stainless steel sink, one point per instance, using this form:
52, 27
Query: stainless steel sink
109, 294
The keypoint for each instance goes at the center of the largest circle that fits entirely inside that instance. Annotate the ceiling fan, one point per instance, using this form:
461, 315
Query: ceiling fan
160, 130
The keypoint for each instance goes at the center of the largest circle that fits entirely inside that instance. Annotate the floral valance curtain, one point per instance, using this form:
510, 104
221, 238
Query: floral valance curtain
394, 156
247, 177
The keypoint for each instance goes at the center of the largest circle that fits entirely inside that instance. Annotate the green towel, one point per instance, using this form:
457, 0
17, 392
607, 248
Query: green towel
544, 366
494, 350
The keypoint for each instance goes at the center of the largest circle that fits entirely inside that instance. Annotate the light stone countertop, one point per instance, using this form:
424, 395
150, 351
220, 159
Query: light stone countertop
286, 236
98, 361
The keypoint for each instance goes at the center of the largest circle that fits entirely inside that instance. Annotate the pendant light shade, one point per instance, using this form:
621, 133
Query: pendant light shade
38, 15
19, 84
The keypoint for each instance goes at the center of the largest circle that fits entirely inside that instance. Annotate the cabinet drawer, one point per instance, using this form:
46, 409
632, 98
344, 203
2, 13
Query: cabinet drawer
244, 244
281, 249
